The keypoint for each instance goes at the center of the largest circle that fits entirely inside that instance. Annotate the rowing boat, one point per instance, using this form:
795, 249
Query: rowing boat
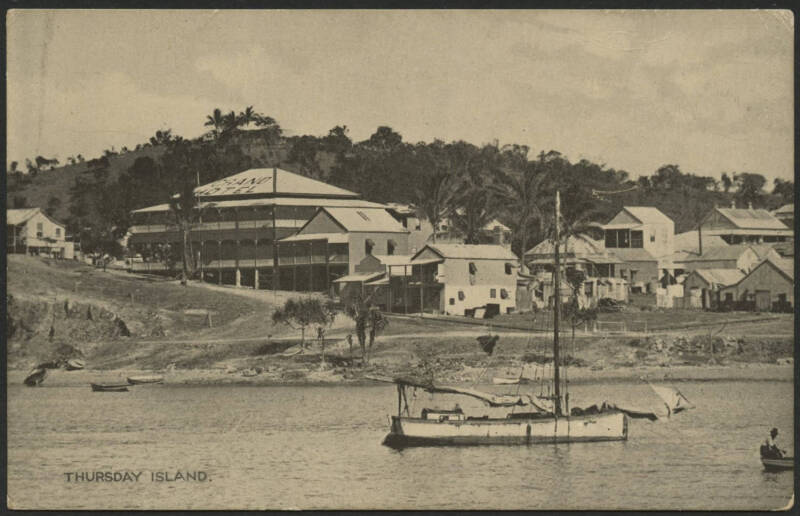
136, 380
101, 387
781, 464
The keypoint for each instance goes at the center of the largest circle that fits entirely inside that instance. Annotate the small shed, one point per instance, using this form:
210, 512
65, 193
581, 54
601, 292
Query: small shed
702, 287
769, 286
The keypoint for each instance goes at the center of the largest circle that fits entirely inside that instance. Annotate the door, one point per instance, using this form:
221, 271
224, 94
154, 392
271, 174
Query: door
762, 300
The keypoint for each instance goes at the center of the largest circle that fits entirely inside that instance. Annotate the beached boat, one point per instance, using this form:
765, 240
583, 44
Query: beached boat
510, 381
105, 387
36, 377
141, 379
781, 464
539, 420
74, 364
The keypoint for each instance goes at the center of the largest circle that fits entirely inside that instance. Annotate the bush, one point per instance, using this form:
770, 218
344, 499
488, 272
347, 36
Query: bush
608, 305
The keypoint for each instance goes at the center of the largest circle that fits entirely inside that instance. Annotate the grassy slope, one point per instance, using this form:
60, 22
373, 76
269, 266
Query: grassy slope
58, 181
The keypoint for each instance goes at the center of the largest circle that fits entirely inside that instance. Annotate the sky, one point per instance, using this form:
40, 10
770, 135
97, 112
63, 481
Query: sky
711, 91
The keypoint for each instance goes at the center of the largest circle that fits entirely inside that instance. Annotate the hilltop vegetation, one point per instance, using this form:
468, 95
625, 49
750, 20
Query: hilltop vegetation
467, 183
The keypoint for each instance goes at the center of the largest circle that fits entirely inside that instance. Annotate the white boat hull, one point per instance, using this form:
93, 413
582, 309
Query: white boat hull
407, 431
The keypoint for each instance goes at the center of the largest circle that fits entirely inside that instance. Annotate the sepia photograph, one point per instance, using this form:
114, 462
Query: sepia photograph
400, 259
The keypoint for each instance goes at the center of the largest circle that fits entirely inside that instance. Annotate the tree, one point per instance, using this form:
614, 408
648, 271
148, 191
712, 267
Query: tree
12, 168
475, 203
519, 187
369, 321
215, 120
749, 187
162, 137
247, 116
325, 315
726, 181
300, 313
53, 204
435, 188
230, 121
19, 202
784, 189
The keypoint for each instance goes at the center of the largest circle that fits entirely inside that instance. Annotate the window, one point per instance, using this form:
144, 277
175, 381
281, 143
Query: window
633, 276
391, 245
452, 301
503, 293
58, 232
623, 239
472, 268
652, 238
509, 268
637, 239
368, 246
39, 230
728, 296
461, 295
611, 238
493, 293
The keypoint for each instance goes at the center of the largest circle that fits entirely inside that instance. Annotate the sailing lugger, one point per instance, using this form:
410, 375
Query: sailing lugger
539, 424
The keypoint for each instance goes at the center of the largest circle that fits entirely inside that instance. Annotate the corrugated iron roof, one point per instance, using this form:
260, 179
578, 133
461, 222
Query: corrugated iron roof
393, 259
376, 220
578, 245
632, 255
258, 181
15, 217
723, 277
751, 219
473, 251
332, 238
786, 265
279, 201
730, 252
359, 277
688, 241
786, 209
648, 214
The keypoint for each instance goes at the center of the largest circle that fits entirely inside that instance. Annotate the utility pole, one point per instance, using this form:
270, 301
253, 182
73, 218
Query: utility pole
274, 233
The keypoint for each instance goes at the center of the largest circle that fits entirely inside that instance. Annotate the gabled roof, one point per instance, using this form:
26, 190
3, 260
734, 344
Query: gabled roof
722, 277
784, 266
393, 259
633, 255
578, 245
786, 209
258, 181
270, 201
688, 241
647, 214
751, 219
730, 252
470, 251
376, 220
491, 226
15, 217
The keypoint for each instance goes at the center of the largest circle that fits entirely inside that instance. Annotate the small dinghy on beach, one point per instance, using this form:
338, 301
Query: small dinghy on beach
36, 377
74, 364
106, 387
142, 379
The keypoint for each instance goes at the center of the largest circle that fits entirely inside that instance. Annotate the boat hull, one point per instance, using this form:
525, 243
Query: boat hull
408, 431
783, 464
138, 380
96, 387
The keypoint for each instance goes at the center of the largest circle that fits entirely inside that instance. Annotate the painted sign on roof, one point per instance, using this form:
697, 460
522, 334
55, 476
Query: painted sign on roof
259, 181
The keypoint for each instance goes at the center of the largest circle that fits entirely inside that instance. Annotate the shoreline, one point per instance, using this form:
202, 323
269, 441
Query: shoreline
355, 377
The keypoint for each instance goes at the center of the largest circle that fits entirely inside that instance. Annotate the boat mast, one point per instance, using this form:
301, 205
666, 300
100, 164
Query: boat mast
556, 308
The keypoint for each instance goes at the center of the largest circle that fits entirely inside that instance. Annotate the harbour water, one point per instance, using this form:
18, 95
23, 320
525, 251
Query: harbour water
320, 447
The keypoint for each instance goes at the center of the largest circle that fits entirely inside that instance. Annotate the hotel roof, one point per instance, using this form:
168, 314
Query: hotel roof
259, 182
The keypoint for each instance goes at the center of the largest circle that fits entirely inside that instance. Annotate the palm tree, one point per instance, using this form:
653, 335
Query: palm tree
215, 120
435, 189
248, 115
475, 203
230, 121
519, 187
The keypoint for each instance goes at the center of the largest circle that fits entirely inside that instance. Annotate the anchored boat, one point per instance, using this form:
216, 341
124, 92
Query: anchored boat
542, 420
